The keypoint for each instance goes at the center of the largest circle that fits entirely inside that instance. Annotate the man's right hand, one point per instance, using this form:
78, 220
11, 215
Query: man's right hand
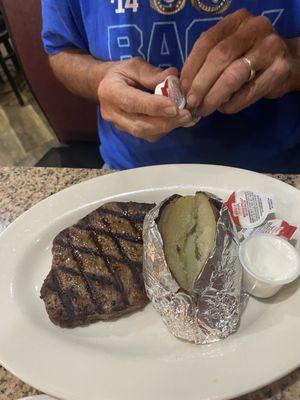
125, 100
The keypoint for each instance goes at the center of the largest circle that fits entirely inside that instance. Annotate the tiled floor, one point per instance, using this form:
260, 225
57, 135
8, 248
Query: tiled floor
25, 135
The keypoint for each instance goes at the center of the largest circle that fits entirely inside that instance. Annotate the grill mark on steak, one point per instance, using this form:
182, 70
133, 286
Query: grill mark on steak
92, 252
94, 277
119, 235
86, 250
135, 274
66, 296
116, 239
63, 296
118, 283
130, 219
89, 287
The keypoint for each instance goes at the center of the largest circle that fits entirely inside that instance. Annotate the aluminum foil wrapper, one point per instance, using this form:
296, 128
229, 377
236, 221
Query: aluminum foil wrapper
214, 312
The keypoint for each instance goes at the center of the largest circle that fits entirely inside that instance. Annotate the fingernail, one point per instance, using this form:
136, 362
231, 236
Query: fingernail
185, 118
172, 111
192, 100
226, 100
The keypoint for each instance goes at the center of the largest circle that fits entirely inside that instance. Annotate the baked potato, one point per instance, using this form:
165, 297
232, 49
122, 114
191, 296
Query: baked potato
188, 227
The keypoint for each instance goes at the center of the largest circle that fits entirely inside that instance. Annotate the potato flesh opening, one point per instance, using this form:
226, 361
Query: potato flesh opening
188, 229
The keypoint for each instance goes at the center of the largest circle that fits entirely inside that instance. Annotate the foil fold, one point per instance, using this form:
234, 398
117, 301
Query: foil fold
214, 312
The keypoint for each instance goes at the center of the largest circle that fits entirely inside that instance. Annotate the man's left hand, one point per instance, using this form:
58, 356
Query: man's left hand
216, 74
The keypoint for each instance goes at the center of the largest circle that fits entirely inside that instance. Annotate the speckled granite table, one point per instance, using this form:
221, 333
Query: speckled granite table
21, 188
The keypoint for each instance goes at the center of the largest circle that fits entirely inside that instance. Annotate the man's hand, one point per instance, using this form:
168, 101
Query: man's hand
122, 89
216, 75
125, 100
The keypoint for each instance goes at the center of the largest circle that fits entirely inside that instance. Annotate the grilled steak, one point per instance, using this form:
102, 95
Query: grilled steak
96, 271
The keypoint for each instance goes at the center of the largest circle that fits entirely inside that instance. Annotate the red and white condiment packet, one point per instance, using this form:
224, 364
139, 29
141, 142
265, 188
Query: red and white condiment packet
277, 227
170, 87
249, 209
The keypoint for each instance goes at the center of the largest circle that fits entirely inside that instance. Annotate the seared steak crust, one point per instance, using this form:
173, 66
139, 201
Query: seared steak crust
96, 270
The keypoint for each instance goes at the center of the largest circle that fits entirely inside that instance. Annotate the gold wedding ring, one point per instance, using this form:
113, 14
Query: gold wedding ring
252, 70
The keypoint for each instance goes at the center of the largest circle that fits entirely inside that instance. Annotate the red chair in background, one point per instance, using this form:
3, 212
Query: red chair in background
73, 119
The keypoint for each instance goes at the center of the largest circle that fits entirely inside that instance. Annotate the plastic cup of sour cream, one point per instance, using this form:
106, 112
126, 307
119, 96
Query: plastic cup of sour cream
269, 262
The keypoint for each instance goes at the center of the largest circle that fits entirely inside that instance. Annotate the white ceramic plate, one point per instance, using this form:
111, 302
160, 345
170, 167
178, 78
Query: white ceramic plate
135, 358
41, 397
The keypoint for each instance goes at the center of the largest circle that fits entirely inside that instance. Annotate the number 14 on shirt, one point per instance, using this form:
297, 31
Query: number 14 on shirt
124, 5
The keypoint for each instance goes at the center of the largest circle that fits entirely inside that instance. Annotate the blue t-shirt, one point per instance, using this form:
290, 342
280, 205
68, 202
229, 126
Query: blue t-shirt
264, 137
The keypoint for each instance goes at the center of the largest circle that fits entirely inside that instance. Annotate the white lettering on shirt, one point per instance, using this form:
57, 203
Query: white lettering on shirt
129, 4
126, 41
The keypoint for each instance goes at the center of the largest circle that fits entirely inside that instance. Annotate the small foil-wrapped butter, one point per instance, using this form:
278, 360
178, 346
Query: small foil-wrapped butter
170, 87
214, 312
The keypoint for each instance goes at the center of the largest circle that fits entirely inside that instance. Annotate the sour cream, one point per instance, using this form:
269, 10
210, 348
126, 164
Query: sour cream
269, 263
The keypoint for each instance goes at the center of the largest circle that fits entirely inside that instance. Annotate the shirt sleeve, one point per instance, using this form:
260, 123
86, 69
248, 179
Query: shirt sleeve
61, 27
